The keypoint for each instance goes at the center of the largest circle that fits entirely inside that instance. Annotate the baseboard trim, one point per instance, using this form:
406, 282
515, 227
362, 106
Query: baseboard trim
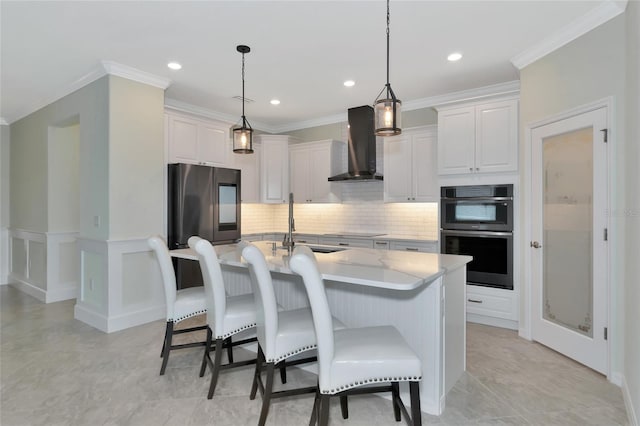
616, 379
628, 403
29, 289
495, 322
136, 318
87, 316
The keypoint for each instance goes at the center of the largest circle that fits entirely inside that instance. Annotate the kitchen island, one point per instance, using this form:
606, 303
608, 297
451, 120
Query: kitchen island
421, 294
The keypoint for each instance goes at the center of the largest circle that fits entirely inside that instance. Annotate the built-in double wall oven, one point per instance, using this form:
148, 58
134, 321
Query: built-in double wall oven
477, 221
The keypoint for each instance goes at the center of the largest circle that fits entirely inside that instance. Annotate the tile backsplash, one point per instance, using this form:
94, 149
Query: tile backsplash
362, 210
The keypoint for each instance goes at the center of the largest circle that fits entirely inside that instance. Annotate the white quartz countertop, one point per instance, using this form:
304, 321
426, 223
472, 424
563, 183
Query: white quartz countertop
370, 267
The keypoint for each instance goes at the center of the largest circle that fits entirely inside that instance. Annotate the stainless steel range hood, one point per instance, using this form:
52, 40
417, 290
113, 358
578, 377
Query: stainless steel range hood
362, 146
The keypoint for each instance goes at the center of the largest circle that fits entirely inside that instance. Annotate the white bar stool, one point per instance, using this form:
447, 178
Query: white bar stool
226, 315
350, 358
181, 304
281, 334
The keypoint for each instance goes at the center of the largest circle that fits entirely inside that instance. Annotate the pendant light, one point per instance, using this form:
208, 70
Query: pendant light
387, 110
243, 135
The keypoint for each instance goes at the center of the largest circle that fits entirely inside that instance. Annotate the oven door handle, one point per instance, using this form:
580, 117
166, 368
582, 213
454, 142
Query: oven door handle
477, 199
477, 233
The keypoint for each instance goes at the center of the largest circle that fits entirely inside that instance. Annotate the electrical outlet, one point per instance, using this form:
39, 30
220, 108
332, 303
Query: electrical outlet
96, 221
91, 284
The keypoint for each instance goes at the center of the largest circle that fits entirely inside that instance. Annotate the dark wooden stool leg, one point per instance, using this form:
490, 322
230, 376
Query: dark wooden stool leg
344, 407
416, 412
229, 350
323, 419
315, 409
395, 396
216, 368
256, 374
168, 335
207, 349
266, 398
283, 372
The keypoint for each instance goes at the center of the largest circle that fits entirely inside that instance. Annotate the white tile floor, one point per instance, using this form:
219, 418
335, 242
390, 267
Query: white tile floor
55, 370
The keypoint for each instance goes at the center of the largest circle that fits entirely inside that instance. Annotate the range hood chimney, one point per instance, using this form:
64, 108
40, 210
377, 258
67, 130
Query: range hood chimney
362, 146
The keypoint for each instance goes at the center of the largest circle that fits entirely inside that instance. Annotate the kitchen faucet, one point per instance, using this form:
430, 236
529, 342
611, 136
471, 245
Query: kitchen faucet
288, 238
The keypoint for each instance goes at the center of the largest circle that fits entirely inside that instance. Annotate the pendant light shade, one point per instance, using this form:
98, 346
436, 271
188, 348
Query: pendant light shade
243, 135
388, 109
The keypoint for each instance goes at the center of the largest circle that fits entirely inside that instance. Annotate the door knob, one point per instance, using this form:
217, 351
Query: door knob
535, 244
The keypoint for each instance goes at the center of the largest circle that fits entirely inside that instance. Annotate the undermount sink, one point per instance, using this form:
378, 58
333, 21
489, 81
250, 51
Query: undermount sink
325, 249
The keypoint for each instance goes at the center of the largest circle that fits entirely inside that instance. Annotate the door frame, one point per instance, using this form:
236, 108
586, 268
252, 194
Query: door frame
527, 203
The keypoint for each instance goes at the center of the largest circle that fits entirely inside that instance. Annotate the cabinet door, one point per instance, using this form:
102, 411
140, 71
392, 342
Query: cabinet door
275, 171
424, 157
456, 141
183, 140
212, 145
249, 165
300, 175
397, 169
496, 137
319, 172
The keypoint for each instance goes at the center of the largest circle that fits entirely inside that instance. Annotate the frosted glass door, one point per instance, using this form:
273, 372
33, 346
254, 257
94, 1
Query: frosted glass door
568, 230
568, 247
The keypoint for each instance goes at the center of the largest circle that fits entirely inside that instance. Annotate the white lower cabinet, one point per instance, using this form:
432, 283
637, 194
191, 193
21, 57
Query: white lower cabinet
492, 306
346, 242
305, 239
424, 247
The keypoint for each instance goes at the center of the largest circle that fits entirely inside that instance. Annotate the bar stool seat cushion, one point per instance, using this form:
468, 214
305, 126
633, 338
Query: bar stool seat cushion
370, 355
240, 315
189, 303
295, 334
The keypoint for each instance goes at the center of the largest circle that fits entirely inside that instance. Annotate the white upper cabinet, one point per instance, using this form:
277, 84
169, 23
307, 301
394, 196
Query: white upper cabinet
274, 168
478, 138
249, 166
198, 141
311, 165
410, 166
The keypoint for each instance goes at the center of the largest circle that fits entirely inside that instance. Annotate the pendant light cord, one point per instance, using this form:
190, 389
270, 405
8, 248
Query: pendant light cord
388, 48
243, 119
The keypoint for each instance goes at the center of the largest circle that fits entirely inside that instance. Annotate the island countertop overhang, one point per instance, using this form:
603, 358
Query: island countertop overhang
390, 269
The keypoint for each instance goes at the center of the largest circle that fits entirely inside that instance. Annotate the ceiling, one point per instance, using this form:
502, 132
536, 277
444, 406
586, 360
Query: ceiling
301, 51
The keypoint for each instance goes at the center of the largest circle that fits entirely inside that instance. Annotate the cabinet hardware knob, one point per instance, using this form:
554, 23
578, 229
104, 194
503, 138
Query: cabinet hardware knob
474, 301
411, 249
535, 244
343, 244
470, 169
477, 169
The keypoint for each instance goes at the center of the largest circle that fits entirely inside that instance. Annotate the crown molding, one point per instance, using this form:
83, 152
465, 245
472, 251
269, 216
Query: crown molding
500, 89
124, 71
604, 12
215, 115
104, 68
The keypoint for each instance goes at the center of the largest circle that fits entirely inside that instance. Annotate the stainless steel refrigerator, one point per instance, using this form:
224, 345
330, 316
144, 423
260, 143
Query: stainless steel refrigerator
202, 201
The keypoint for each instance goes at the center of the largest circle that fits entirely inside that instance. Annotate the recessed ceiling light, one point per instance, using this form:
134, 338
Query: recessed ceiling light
275, 102
174, 65
349, 83
454, 57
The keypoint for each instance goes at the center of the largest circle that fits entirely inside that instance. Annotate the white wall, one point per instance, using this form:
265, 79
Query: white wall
5, 147
631, 384
588, 69
63, 194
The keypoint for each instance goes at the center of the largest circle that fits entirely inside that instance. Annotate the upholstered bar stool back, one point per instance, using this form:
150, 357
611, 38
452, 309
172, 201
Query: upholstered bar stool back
226, 315
181, 304
353, 357
281, 333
